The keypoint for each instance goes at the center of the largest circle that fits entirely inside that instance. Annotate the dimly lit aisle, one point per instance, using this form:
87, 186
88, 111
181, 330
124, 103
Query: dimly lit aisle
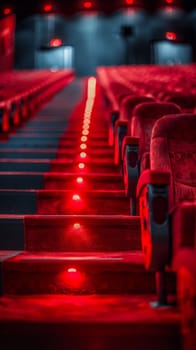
80, 283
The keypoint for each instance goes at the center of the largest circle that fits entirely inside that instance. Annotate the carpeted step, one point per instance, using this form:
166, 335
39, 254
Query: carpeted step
65, 141
87, 322
54, 202
36, 131
63, 181
97, 154
44, 161
78, 273
63, 233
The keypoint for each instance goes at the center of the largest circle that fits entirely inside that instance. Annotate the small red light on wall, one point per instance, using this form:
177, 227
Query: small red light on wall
129, 2
170, 35
47, 8
87, 4
56, 42
7, 11
169, 1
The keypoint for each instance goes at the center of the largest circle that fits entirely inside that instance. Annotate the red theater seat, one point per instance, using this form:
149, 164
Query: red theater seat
136, 147
187, 101
167, 197
127, 105
4, 117
24, 92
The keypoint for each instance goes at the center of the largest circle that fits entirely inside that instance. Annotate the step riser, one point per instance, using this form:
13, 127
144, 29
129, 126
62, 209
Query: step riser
75, 336
33, 141
40, 181
88, 279
90, 206
55, 166
61, 141
94, 234
69, 234
32, 204
103, 152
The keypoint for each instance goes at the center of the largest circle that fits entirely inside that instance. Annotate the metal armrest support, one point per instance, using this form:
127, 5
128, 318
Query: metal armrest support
130, 150
152, 191
120, 132
113, 118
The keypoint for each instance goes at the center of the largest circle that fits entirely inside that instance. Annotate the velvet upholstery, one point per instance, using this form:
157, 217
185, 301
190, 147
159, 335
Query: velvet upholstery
173, 149
183, 227
144, 117
128, 104
187, 102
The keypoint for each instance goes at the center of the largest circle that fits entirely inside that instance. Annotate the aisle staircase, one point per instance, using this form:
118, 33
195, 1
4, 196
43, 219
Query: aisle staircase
72, 274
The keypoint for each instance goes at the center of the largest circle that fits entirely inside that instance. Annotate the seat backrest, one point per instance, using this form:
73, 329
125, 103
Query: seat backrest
187, 102
144, 117
173, 149
129, 103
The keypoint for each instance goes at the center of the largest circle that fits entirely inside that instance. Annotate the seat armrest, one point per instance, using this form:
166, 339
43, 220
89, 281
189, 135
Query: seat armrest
152, 177
131, 169
129, 141
152, 194
120, 132
121, 123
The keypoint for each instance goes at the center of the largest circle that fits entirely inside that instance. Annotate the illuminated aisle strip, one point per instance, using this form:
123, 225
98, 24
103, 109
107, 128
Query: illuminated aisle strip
91, 94
83, 155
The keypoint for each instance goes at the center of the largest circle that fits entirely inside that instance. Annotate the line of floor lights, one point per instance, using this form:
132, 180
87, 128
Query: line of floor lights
83, 155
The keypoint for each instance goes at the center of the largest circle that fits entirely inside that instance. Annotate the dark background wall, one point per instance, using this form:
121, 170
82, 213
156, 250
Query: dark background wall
96, 37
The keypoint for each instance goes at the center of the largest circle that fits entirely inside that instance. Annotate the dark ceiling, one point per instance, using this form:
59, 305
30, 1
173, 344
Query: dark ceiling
68, 7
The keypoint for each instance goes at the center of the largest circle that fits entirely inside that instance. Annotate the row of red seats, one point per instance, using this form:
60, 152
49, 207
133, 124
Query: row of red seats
154, 138
22, 93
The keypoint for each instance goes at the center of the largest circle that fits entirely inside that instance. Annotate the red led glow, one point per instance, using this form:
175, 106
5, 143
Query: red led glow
76, 226
79, 180
56, 42
129, 2
169, 1
72, 270
72, 278
84, 139
83, 146
170, 35
47, 8
86, 127
87, 4
85, 132
81, 165
83, 155
76, 197
7, 11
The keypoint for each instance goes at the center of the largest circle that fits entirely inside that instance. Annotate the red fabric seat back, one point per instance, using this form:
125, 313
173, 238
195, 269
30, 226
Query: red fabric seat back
173, 149
129, 103
187, 102
144, 117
